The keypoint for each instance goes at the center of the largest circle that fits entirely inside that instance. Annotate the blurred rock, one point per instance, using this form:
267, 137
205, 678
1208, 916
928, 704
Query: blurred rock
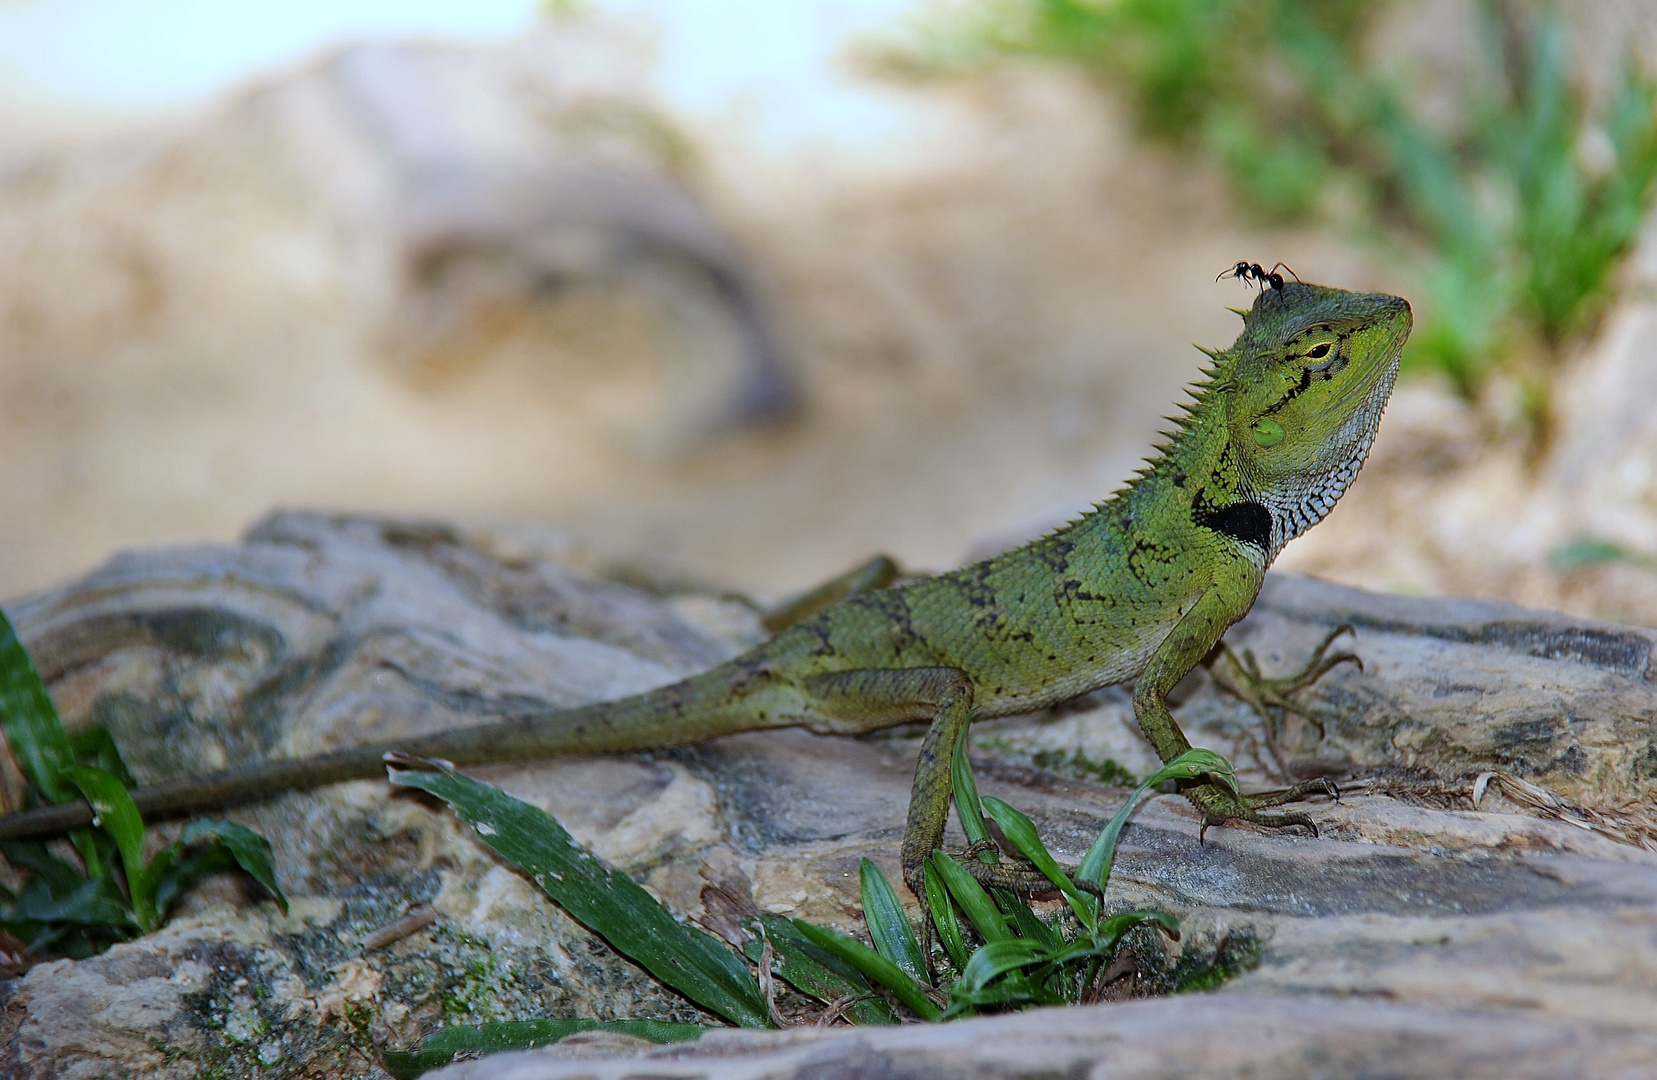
400, 275
1418, 936
487, 179
449, 190
1208, 1038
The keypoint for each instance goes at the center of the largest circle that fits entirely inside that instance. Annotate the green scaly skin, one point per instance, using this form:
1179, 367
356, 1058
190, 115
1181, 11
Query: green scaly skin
1139, 589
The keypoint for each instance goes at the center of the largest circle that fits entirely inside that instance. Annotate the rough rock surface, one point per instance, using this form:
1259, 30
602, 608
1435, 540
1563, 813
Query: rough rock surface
1417, 936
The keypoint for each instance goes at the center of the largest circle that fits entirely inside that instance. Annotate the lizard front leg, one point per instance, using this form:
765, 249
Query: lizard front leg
1185, 646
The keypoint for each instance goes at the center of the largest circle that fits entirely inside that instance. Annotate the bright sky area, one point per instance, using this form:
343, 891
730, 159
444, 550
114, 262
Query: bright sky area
773, 62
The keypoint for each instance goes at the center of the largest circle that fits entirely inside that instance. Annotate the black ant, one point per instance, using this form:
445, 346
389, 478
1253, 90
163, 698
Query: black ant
1243, 271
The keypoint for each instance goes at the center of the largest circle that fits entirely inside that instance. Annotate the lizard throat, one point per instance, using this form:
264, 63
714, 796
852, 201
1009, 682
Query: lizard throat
1294, 508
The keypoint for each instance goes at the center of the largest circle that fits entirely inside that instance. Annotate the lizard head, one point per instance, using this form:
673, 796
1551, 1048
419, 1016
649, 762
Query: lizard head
1310, 374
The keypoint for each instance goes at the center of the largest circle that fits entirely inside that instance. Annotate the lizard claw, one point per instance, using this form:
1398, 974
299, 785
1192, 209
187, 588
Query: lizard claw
1219, 806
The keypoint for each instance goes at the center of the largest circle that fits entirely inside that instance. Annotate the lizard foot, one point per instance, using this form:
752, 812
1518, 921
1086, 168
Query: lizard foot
1219, 805
1013, 874
1241, 675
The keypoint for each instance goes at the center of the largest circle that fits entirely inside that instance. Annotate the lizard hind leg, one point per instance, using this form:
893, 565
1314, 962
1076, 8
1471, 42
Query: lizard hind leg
879, 697
1015, 874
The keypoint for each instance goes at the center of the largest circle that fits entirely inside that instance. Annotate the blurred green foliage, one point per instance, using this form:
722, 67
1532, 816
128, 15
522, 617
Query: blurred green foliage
1510, 213
78, 899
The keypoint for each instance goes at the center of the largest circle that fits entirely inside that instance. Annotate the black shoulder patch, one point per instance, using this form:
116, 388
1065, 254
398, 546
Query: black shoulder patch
1244, 522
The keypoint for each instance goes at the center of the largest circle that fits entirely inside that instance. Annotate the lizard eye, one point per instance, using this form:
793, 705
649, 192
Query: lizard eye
1318, 352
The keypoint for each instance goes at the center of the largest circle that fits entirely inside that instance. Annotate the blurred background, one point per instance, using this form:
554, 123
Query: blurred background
745, 290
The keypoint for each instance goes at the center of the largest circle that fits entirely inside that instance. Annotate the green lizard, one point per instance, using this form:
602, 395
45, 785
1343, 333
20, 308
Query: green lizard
1141, 588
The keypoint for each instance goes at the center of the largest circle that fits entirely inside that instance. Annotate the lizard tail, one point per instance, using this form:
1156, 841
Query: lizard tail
702, 707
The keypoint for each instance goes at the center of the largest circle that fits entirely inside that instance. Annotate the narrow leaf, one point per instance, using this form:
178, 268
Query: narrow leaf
814, 972
1028, 924
30, 722
96, 746
888, 925
56, 876
997, 958
442, 1047
1101, 856
1194, 763
610, 904
872, 964
966, 791
250, 851
71, 941
1021, 832
1008, 991
97, 850
943, 917
118, 816
975, 903
94, 902
176, 870
1112, 929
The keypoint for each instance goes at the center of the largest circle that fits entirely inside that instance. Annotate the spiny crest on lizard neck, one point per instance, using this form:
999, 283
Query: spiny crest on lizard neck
1288, 413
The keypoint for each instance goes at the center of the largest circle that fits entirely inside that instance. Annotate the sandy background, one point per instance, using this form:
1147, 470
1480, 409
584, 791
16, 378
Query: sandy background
987, 327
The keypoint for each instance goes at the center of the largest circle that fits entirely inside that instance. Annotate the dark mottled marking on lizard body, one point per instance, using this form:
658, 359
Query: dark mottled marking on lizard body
987, 614
822, 633
894, 607
1055, 555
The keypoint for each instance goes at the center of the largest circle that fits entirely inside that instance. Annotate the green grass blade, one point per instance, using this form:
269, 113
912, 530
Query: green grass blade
92, 902
997, 958
96, 746
30, 722
1101, 856
889, 927
248, 849
610, 904
55, 875
812, 971
176, 870
1021, 832
966, 791
118, 816
943, 917
1026, 921
1105, 940
442, 1047
1198, 762
1112, 929
70, 941
975, 903
1016, 992
872, 964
